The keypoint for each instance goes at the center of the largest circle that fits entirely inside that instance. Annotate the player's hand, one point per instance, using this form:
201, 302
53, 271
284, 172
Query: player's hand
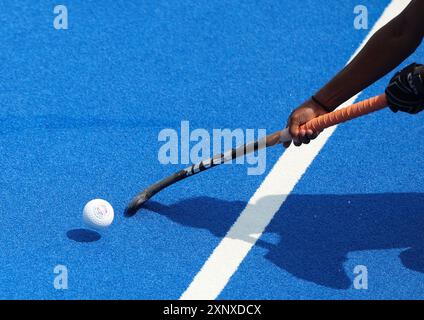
405, 91
305, 112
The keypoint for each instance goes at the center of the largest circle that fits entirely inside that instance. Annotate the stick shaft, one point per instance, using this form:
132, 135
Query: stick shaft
317, 124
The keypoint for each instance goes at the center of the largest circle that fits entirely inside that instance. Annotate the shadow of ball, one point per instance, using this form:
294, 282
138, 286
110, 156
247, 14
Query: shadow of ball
83, 235
413, 259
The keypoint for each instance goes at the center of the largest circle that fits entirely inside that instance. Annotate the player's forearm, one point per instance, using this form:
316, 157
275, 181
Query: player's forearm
383, 52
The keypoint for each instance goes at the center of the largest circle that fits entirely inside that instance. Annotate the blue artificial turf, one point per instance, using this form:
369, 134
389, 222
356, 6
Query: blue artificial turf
81, 110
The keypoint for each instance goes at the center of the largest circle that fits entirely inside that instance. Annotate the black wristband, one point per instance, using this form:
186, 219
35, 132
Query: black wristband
320, 104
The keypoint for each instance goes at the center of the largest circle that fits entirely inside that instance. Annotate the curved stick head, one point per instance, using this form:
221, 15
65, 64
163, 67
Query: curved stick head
136, 204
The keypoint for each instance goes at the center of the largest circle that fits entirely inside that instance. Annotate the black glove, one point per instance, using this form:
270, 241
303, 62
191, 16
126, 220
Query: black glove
405, 91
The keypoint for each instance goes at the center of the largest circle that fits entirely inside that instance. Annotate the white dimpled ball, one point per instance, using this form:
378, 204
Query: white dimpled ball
98, 213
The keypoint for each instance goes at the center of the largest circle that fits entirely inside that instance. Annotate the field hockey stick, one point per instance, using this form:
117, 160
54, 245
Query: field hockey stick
317, 124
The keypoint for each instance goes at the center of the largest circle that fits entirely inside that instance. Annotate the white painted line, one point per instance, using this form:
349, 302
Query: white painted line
261, 208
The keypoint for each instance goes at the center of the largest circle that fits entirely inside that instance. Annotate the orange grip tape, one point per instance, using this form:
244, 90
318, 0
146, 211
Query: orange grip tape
345, 114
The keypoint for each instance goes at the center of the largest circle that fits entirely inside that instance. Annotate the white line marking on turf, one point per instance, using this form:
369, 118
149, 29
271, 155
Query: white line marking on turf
261, 208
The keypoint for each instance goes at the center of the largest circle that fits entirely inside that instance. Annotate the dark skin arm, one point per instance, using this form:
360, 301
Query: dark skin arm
386, 49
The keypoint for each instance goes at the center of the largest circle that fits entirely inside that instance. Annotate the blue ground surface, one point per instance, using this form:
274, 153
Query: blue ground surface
80, 113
